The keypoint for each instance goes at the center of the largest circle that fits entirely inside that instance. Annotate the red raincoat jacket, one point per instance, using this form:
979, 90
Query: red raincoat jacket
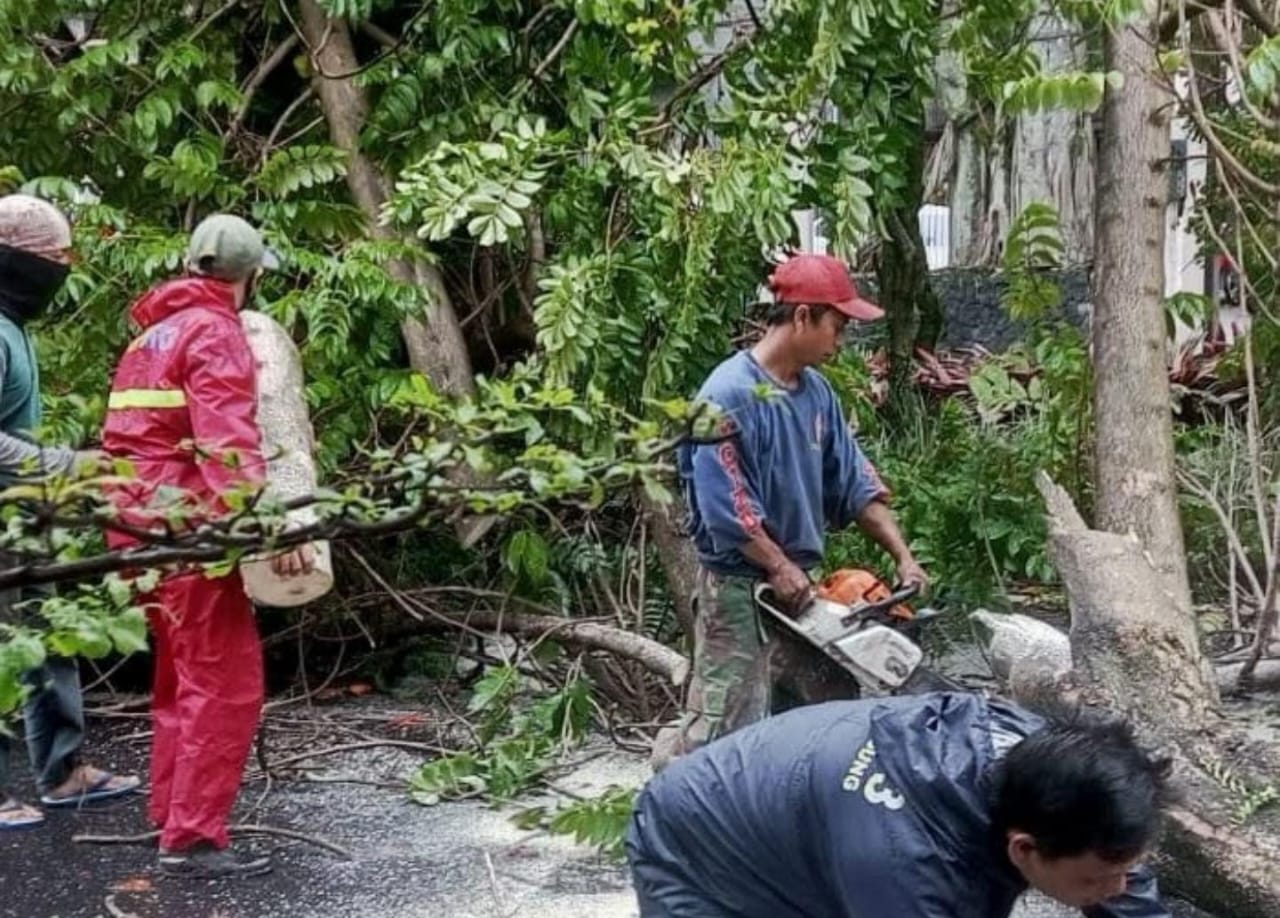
184, 401
183, 410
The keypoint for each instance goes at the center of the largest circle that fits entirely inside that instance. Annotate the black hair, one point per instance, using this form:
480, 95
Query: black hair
1083, 785
782, 313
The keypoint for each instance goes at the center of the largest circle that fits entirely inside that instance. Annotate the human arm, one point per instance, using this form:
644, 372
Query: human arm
1140, 900
21, 458
878, 521
854, 492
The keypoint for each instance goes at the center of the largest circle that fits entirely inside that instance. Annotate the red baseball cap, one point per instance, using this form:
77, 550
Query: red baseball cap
821, 280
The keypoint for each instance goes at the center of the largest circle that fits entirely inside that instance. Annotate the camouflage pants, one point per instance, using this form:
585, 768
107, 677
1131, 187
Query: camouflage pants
744, 669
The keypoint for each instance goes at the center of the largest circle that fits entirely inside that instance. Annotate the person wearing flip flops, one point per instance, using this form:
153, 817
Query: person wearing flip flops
183, 411
35, 255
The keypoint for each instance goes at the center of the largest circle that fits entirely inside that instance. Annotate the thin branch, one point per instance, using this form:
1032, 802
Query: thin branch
704, 75
211, 19
354, 747
255, 80
284, 119
556, 50
1233, 537
1207, 129
380, 35
146, 838
1221, 36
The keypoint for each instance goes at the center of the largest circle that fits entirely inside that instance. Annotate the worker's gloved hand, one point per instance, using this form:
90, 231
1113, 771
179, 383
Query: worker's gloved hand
793, 588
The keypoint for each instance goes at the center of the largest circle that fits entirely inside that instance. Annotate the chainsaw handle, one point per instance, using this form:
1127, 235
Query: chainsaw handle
765, 595
897, 598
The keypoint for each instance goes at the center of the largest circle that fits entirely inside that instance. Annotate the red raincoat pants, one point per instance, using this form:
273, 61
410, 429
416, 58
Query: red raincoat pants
183, 412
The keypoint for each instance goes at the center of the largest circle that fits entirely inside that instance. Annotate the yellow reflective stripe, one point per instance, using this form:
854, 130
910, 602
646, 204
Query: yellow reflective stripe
147, 398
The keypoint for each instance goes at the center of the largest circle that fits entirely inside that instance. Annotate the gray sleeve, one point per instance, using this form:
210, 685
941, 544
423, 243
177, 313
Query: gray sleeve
22, 459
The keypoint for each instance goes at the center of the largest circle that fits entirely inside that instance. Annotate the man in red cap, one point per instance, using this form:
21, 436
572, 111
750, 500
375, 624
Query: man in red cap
761, 498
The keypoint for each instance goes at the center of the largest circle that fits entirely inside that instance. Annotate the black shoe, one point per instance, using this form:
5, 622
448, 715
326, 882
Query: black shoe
205, 862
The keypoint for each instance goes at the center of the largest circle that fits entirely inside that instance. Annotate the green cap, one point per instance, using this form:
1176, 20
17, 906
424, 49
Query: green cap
228, 248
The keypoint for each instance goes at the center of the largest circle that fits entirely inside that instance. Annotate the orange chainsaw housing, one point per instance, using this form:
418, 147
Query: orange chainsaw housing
852, 586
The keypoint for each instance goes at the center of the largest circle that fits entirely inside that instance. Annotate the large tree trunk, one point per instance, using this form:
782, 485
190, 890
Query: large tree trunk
1134, 651
1134, 453
436, 346
998, 168
1052, 155
435, 343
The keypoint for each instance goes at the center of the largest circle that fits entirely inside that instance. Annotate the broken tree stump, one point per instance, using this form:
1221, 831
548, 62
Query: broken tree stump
1134, 651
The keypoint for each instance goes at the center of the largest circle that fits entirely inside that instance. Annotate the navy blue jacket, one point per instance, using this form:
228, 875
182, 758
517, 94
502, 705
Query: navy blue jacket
852, 809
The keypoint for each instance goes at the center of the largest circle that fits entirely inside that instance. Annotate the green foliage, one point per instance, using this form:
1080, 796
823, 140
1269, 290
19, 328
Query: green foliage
1262, 69
90, 621
600, 822
517, 741
1033, 247
1080, 92
1248, 798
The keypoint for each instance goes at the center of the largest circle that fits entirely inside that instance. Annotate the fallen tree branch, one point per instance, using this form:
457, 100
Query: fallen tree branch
655, 657
146, 838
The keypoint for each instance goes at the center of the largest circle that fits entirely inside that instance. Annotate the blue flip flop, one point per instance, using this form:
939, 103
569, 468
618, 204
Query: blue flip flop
15, 823
96, 792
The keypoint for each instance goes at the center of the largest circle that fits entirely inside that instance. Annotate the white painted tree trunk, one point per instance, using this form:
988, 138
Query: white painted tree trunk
997, 169
1052, 157
287, 445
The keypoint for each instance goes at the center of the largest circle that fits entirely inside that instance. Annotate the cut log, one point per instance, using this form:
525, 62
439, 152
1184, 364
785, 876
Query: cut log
1134, 651
287, 444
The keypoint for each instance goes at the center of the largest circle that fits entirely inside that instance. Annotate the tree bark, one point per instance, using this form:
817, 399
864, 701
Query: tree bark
913, 310
436, 345
677, 556
1131, 655
1052, 152
998, 167
1134, 461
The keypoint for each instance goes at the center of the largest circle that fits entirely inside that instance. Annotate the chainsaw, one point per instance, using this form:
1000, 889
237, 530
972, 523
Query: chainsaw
858, 621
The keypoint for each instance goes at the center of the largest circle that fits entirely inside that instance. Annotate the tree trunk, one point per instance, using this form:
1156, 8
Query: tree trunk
677, 556
1052, 152
1133, 655
913, 310
436, 346
1000, 167
1134, 461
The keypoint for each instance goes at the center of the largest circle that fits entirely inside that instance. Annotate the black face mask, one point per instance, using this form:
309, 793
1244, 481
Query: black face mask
28, 283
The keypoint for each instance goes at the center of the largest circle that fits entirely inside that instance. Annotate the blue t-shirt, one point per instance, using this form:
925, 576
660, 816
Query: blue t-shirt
788, 464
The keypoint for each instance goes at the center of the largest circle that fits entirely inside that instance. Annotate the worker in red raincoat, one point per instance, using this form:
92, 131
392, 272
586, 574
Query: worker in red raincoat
183, 411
